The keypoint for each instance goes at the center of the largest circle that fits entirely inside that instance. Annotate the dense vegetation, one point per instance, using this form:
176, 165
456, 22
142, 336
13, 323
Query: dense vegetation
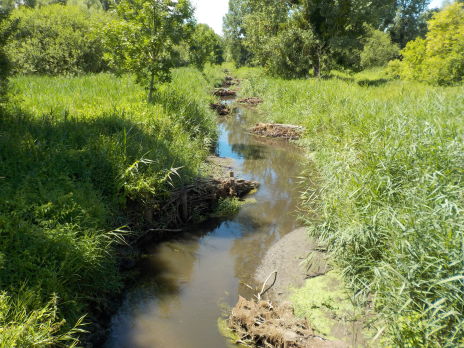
389, 152
75, 149
294, 39
73, 152
78, 141
437, 58
390, 160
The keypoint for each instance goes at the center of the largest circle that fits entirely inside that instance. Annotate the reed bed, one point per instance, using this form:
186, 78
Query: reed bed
390, 156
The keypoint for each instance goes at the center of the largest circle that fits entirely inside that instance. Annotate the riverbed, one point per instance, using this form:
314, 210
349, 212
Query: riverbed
187, 283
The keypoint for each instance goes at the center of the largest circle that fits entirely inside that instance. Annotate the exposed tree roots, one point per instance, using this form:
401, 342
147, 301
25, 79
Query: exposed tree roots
260, 324
182, 205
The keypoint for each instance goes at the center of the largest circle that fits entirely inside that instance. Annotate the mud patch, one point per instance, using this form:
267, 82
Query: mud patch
288, 257
260, 324
276, 130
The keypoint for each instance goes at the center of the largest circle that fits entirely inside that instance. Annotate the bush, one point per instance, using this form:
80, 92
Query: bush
5, 32
439, 58
290, 53
57, 39
378, 49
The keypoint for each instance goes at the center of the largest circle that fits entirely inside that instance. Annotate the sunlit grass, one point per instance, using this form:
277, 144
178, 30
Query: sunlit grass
74, 153
390, 157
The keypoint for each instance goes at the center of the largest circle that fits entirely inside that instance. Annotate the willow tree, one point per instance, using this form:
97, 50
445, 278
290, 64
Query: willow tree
144, 42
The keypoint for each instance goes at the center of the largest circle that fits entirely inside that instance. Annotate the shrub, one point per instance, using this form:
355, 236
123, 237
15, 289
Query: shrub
5, 32
378, 49
439, 58
57, 39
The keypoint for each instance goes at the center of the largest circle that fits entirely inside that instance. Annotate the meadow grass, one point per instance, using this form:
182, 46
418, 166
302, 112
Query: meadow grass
390, 156
73, 152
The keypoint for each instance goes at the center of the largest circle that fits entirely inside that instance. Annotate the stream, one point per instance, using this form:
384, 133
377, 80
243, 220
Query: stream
186, 284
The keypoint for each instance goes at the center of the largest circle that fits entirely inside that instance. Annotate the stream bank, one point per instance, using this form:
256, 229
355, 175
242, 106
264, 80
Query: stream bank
188, 282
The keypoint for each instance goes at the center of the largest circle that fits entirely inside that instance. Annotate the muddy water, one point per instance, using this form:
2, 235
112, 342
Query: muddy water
188, 282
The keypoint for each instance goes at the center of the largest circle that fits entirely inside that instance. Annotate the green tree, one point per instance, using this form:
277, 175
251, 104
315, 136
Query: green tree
407, 20
144, 41
378, 49
234, 32
439, 58
57, 39
205, 47
264, 22
292, 53
6, 28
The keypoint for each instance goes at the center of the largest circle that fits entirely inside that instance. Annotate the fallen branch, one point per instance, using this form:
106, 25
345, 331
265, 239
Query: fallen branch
262, 292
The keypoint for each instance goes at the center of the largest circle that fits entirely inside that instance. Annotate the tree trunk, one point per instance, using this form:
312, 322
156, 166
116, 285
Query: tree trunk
151, 89
317, 69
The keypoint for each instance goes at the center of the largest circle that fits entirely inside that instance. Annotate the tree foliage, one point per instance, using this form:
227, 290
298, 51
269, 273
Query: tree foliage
144, 41
205, 47
57, 39
439, 57
234, 32
6, 29
322, 34
378, 49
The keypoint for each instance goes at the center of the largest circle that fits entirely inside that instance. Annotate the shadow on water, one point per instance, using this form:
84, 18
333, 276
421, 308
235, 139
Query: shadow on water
187, 282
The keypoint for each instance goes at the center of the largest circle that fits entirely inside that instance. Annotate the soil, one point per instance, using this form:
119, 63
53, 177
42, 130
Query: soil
288, 257
272, 323
276, 130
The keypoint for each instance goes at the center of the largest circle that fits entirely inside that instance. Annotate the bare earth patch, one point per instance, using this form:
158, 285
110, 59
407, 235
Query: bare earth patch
319, 314
276, 130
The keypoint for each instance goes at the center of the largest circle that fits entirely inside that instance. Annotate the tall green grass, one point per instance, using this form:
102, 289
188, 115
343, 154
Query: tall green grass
391, 162
73, 153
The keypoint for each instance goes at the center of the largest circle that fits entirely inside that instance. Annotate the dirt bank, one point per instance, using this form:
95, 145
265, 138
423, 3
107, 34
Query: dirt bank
307, 305
288, 257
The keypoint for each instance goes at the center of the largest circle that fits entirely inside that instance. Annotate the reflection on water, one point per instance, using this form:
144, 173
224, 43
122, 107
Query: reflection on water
187, 282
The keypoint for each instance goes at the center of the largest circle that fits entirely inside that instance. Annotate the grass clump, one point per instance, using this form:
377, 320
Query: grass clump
74, 152
228, 207
390, 158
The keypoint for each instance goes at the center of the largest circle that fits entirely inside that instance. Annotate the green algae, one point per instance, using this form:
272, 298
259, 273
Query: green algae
324, 302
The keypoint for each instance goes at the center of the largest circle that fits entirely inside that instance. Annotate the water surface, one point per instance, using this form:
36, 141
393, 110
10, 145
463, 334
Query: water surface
186, 283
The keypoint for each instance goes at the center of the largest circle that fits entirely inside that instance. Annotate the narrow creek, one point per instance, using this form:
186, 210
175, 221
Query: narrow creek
187, 283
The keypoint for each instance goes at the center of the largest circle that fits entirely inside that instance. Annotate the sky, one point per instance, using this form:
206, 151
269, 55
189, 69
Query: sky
211, 12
